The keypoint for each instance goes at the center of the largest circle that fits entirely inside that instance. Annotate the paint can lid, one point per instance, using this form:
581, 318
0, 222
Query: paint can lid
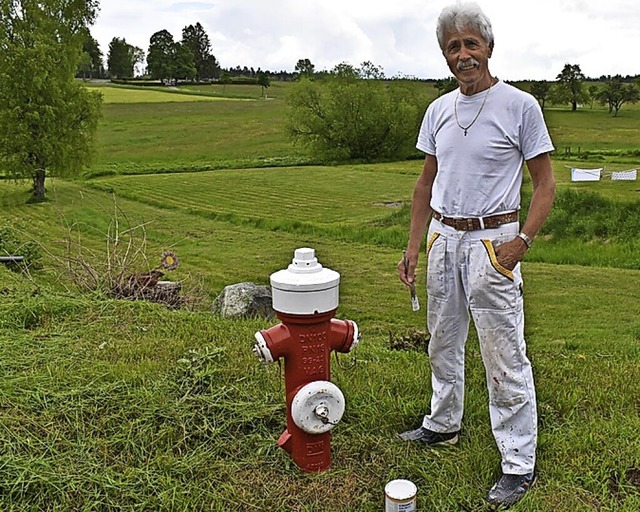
401, 489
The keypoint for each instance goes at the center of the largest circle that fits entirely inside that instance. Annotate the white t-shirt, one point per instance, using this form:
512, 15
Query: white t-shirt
480, 174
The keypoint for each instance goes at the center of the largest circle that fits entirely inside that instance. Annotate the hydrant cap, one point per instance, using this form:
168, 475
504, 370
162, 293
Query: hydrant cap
305, 286
304, 262
305, 274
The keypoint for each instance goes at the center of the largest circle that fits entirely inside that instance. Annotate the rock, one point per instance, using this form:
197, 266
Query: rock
244, 300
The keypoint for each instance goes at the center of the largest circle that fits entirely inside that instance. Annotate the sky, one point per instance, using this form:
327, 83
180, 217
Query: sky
533, 39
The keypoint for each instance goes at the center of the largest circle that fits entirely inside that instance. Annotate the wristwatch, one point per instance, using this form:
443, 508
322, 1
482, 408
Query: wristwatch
525, 239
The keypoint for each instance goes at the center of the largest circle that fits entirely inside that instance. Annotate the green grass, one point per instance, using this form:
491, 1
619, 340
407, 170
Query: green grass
168, 130
194, 135
277, 90
126, 95
595, 135
116, 405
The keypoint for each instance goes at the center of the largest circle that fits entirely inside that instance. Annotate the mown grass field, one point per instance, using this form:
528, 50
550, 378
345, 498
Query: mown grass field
188, 131
117, 405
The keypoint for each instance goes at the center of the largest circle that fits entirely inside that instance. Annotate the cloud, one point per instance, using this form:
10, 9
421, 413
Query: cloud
533, 39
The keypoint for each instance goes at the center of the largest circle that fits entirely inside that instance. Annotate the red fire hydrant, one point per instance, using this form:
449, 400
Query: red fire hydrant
305, 298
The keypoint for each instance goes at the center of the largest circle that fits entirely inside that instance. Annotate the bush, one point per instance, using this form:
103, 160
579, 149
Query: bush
354, 119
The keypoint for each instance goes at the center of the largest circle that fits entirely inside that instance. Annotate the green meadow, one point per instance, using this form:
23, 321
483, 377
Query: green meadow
126, 405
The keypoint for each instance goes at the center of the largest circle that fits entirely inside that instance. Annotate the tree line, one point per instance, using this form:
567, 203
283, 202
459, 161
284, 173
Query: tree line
574, 88
168, 60
191, 58
571, 87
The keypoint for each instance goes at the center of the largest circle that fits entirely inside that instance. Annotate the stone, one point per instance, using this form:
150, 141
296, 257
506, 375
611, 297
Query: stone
244, 300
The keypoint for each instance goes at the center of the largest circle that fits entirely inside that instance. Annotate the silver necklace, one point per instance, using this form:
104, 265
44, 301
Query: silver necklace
455, 109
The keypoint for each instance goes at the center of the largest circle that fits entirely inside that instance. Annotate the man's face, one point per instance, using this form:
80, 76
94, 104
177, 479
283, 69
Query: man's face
467, 55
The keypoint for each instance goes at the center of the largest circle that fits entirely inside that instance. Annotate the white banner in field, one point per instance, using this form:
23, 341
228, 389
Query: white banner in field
625, 175
585, 174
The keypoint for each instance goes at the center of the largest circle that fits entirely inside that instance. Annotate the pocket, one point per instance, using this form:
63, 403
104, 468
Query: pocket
437, 266
493, 259
434, 236
492, 286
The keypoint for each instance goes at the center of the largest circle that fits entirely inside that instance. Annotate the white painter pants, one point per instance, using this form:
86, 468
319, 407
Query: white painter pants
464, 276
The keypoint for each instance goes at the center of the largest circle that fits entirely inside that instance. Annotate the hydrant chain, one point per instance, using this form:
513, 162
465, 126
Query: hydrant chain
351, 366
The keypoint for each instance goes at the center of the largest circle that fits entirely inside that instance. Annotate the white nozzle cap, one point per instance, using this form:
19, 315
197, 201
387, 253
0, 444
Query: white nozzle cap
317, 407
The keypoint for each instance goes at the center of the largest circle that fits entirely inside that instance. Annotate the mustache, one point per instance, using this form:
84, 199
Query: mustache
467, 63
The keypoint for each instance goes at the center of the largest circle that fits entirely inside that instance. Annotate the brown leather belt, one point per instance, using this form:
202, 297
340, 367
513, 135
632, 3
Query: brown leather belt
475, 223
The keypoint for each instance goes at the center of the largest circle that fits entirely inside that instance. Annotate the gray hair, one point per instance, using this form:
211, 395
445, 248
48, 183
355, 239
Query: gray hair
464, 15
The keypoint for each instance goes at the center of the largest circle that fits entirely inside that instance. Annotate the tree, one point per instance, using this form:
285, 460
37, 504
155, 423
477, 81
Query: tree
369, 71
137, 56
342, 117
615, 93
264, 81
569, 87
168, 60
304, 68
184, 67
210, 68
47, 120
122, 58
160, 56
196, 39
593, 93
446, 85
84, 66
540, 91
91, 65
345, 71
225, 78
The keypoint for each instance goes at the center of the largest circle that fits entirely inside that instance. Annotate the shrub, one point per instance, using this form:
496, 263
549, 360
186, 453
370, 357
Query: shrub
342, 118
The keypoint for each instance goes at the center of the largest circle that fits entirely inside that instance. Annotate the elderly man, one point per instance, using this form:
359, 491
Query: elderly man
476, 140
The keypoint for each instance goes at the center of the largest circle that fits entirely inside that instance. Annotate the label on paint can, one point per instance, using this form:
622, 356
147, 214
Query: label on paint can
400, 496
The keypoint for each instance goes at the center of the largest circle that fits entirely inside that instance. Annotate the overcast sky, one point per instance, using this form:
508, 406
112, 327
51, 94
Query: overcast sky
534, 39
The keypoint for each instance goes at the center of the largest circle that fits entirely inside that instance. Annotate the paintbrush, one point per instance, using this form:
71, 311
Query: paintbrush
415, 304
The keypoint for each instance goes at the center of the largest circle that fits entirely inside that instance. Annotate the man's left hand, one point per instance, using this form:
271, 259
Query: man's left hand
510, 253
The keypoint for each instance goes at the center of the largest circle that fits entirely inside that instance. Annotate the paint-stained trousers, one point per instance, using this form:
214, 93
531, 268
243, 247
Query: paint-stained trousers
464, 278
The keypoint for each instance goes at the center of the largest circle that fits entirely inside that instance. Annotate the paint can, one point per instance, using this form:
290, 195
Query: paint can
400, 496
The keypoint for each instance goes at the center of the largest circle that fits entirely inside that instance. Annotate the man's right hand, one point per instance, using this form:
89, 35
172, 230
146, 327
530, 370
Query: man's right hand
407, 269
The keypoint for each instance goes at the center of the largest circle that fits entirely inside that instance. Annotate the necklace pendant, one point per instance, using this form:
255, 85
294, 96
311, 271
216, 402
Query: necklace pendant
465, 133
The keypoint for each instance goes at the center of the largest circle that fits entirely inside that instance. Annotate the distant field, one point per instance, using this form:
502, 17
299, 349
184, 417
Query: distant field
195, 133
595, 130
277, 90
345, 195
116, 94
146, 131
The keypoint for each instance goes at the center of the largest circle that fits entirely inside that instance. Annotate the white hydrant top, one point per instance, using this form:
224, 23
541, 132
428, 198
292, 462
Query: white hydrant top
305, 287
304, 262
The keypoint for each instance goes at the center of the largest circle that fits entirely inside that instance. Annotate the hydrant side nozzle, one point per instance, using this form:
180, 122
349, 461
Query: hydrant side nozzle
355, 340
261, 350
346, 335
